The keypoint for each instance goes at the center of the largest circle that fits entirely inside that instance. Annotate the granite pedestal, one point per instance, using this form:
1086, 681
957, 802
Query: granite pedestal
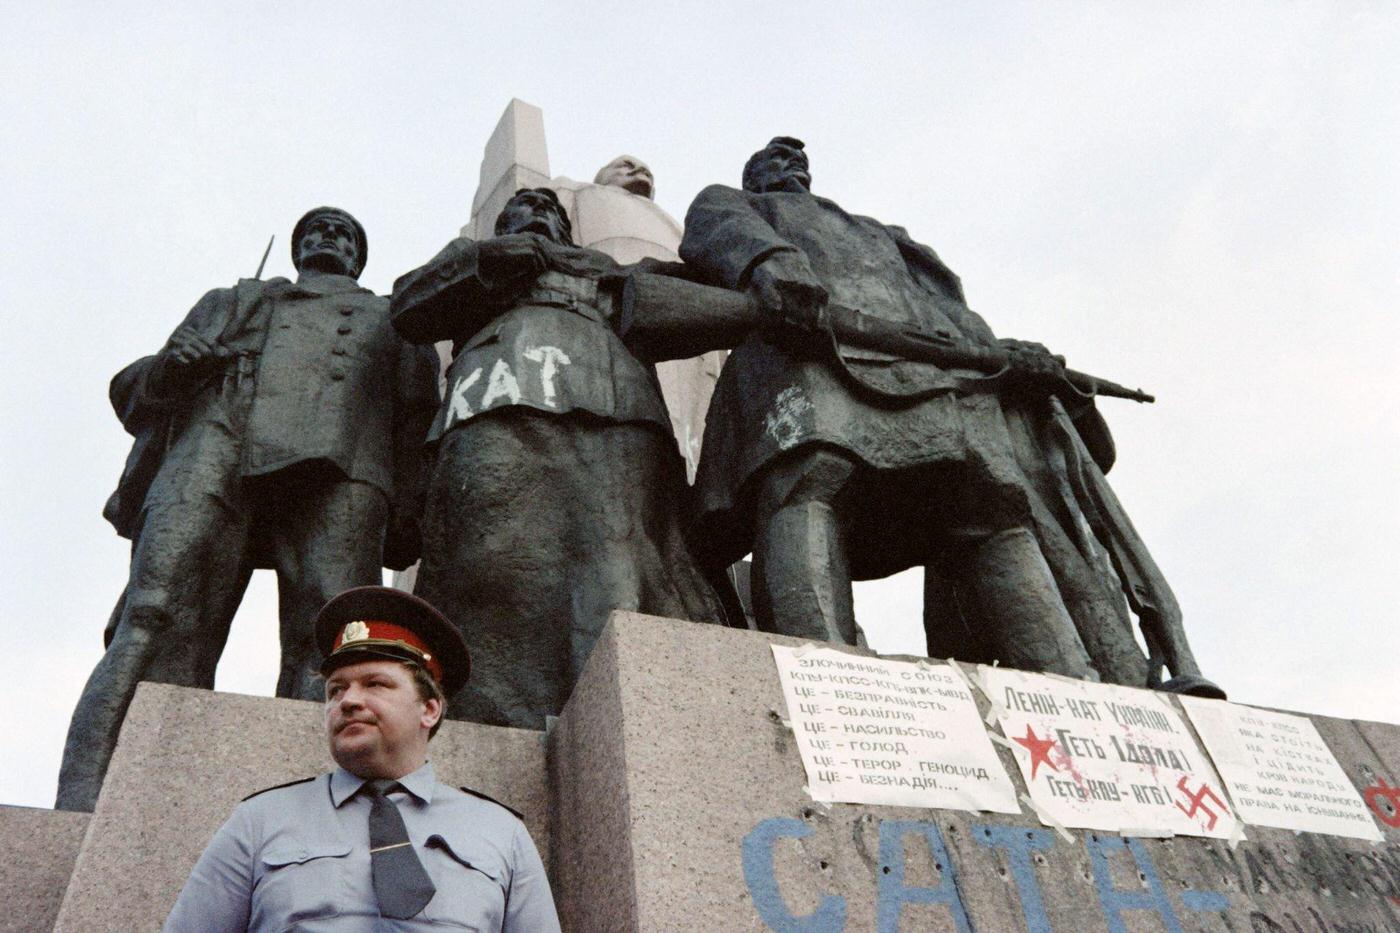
40, 848
187, 757
679, 804
669, 796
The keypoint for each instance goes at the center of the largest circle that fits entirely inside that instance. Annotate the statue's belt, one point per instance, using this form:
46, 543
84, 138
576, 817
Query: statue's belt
570, 292
558, 286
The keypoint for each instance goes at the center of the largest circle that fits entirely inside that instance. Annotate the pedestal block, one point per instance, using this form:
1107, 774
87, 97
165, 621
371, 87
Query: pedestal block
187, 757
672, 798
40, 847
679, 804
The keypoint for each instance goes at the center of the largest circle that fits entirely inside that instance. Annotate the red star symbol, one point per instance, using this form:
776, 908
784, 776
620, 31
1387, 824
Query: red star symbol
1039, 749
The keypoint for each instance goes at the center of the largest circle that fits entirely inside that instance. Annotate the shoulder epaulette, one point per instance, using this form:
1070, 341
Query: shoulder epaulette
278, 787
476, 793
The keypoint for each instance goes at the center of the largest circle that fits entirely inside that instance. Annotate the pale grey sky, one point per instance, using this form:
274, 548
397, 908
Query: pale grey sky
1201, 199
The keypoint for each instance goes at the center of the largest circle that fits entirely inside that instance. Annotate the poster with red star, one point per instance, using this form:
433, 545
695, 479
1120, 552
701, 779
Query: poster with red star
1101, 756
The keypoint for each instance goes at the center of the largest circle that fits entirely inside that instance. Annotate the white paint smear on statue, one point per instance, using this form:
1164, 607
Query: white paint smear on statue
1100, 756
1279, 771
890, 732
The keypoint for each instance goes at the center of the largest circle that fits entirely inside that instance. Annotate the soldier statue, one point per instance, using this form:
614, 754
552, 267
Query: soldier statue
554, 496
281, 426
838, 453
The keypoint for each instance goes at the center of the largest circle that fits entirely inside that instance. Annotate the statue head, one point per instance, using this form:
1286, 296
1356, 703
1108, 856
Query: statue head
779, 166
628, 173
536, 210
328, 239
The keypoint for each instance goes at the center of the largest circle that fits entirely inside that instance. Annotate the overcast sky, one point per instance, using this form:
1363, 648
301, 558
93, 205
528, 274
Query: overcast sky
1203, 200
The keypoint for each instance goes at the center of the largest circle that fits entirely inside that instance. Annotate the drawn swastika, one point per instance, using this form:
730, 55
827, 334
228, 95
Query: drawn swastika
1197, 802
1381, 797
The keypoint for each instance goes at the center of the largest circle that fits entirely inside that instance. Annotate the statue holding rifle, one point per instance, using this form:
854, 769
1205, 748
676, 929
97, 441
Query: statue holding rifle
868, 421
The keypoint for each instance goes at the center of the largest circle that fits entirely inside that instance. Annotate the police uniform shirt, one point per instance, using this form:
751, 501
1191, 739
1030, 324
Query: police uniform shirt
297, 858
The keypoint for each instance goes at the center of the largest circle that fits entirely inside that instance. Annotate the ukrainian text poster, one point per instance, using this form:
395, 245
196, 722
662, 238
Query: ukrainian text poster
1099, 756
890, 732
1279, 771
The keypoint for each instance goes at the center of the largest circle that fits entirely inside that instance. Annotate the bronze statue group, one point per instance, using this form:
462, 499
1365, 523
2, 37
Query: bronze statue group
866, 421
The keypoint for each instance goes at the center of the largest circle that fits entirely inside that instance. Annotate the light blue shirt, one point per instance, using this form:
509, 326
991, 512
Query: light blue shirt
297, 858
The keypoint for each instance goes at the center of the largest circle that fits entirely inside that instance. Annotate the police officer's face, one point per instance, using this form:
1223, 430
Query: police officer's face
328, 244
376, 722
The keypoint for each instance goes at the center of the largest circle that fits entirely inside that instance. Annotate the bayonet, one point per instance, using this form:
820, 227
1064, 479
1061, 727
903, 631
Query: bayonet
258, 274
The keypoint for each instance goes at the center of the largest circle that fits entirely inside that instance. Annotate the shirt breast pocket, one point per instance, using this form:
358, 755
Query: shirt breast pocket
301, 880
471, 879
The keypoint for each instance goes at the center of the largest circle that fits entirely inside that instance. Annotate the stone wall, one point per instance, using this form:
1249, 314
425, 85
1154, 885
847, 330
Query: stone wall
671, 796
40, 848
680, 805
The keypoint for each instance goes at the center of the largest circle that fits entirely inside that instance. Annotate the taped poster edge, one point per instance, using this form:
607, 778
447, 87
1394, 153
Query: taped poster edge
1047, 819
1000, 739
995, 710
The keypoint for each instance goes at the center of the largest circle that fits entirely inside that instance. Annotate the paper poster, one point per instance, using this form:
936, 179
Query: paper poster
1279, 771
1099, 756
890, 732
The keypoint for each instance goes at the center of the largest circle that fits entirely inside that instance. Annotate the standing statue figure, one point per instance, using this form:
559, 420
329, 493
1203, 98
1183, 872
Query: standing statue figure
555, 496
281, 426
617, 214
835, 461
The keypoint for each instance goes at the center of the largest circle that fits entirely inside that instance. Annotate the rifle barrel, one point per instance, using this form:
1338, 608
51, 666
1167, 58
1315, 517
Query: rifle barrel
1099, 386
266, 253
861, 329
670, 318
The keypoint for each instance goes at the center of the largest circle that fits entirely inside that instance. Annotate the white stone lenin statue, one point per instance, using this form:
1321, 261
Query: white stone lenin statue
617, 215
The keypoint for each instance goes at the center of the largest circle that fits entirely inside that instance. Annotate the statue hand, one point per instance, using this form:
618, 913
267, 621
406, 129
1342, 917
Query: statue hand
184, 362
795, 299
187, 347
1029, 358
509, 257
187, 357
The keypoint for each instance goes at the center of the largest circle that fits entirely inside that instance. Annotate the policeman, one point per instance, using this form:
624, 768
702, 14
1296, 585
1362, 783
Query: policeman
379, 843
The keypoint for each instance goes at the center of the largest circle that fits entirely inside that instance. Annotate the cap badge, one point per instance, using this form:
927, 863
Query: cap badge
355, 631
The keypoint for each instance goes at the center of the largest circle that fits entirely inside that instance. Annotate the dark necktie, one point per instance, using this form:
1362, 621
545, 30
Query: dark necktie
401, 884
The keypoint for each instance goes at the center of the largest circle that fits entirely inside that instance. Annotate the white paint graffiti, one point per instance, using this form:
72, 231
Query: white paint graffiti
458, 409
502, 384
550, 359
784, 422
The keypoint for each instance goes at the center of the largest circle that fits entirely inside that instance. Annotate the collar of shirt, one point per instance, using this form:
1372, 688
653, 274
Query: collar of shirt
325, 283
420, 784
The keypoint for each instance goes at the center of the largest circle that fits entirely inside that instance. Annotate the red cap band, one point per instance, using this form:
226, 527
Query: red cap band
370, 633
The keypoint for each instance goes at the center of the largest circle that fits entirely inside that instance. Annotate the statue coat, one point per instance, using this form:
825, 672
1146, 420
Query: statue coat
318, 376
556, 492
769, 401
